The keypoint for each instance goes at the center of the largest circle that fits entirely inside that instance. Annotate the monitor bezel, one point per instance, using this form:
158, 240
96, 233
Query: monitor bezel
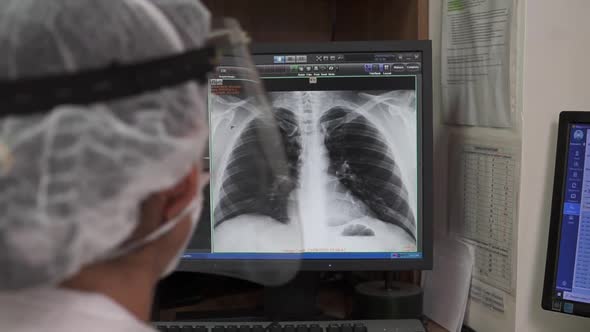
566, 119
426, 140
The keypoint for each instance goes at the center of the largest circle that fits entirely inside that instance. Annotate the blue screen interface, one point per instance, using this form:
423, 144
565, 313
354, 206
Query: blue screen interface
573, 265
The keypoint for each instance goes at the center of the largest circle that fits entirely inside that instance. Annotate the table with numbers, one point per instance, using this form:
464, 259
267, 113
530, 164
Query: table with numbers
483, 211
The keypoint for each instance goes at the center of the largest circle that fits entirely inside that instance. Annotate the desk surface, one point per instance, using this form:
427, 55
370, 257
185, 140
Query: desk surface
434, 327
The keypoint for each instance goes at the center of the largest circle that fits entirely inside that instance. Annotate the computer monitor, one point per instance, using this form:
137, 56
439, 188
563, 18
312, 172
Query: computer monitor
361, 120
567, 270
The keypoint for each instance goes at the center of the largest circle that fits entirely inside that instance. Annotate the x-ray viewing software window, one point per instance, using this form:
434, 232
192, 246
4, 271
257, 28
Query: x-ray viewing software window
349, 124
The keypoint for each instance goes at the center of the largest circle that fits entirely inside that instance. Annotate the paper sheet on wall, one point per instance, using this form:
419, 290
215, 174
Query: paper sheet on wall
476, 62
487, 296
484, 198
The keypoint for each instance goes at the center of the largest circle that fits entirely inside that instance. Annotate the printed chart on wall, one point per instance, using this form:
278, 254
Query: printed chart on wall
476, 55
483, 192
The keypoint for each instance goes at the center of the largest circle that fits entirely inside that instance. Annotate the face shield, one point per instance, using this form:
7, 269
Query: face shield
254, 163
255, 232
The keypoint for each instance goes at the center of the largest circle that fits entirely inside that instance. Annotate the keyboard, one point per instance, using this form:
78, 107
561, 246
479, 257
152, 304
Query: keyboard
402, 325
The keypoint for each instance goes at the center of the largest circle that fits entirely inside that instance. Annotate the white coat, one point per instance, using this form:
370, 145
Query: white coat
61, 310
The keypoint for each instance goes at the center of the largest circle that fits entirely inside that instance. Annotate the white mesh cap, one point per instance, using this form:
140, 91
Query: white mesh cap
71, 181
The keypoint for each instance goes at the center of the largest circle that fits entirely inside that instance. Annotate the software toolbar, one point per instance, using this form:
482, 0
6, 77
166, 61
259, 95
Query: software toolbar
340, 58
318, 65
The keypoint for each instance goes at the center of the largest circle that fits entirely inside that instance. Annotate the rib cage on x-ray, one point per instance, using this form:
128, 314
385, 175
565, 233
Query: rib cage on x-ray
361, 160
346, 129
248, 186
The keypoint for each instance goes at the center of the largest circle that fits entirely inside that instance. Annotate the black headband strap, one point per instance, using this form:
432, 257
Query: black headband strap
40, 95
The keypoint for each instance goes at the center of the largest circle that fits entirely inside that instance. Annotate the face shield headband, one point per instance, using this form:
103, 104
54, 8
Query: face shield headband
38, 96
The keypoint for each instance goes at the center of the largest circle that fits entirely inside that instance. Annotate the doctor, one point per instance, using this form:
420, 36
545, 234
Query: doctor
97, 198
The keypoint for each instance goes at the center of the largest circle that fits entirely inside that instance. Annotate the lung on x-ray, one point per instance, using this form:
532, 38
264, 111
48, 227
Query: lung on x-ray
352, 180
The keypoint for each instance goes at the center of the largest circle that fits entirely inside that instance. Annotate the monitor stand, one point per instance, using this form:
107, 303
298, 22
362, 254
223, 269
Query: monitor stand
295, 300
387, 299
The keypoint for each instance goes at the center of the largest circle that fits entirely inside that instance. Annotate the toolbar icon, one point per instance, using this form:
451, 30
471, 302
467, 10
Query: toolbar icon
413, 67
399, 67
409, 56
279, 59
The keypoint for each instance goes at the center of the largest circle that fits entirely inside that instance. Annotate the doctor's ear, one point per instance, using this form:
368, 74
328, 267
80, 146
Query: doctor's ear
182, 194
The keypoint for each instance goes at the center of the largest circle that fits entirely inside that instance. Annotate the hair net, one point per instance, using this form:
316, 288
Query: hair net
71, 181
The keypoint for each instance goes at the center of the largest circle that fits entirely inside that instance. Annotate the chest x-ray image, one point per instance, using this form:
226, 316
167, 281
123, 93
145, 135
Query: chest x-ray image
352, 180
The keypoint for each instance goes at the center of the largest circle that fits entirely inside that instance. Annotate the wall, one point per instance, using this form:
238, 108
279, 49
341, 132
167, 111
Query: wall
556, 77
553, 75
477, 317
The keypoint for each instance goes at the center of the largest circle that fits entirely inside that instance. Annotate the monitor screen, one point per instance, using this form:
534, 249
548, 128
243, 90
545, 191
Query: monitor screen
572, 281
567, 269
358, 139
